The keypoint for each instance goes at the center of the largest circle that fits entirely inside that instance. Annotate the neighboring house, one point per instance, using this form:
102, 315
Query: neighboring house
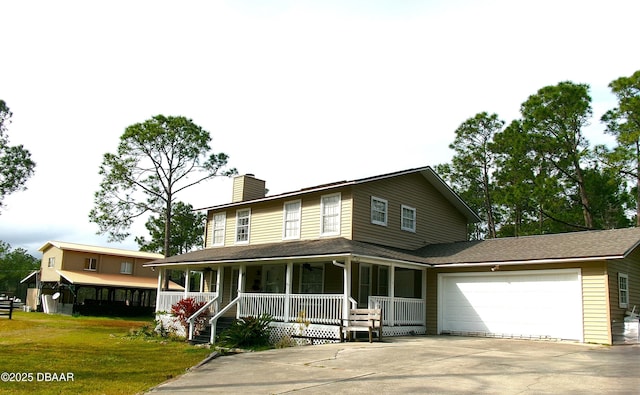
399, 241
90, 280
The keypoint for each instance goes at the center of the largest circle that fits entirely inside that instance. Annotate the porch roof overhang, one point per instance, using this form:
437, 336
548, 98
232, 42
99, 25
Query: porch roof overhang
329, 249
113, 280
33, 275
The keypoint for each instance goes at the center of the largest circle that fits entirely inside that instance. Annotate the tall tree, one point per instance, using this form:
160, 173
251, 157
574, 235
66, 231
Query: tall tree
515, 179
555, 117
473, 161
187, 231
16, 165
623, 122
155, 160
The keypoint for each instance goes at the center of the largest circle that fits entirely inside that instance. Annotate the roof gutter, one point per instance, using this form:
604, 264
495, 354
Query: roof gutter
289, 258
525, 262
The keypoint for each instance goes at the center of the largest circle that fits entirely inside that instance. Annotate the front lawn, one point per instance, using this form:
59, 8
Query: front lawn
95, 355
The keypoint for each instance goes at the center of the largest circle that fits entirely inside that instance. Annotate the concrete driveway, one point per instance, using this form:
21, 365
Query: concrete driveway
425, 365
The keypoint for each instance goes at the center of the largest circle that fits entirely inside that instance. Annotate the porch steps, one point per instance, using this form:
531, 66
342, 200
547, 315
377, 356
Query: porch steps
205, 335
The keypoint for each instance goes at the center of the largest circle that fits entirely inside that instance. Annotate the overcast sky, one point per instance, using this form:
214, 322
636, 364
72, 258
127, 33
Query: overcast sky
299, 93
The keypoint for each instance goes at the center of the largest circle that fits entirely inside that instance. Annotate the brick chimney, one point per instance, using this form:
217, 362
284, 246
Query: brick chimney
247, 187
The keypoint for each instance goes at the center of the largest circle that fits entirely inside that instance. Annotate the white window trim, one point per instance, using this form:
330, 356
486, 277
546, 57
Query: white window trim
222, 229
623, 304
284, 220
248, 226
52, 262
126, 264
96, 265
415, 218
336, 233
386, 211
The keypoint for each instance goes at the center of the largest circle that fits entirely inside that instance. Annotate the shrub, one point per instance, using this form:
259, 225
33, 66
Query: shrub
185, 308
248, 332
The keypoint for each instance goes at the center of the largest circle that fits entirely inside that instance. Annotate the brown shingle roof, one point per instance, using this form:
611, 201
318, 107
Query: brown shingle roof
597, 244
576, 245
292, 249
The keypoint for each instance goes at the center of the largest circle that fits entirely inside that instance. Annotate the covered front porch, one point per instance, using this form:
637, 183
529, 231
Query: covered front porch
310, 294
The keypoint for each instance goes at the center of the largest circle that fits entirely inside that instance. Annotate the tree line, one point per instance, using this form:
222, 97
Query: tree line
539, 174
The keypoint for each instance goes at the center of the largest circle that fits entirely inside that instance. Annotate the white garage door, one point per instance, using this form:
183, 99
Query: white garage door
536, 303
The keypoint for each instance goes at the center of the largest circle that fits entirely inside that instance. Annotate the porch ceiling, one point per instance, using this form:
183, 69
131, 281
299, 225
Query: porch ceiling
328, 248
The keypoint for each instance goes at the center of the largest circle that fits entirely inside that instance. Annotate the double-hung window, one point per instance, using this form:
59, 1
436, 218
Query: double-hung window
408, 218
292, 220
219, 223
623, 290
52, 262
126, 267
243, 222
330, 212
379, 211
90, 264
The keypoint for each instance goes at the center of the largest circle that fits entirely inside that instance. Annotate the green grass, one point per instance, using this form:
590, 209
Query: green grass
101, 353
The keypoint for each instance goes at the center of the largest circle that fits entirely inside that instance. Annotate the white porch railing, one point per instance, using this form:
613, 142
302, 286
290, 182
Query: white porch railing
318, 309
403, 311
166, 299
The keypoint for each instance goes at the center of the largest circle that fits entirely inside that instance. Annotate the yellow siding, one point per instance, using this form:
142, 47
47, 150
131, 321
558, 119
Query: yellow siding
432, 302
49, 273
631, 267
266, 223
437, 221
595, 303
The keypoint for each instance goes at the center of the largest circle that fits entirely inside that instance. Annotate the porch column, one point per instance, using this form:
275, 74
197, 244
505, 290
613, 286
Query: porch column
346, 305
424, 294
160, 275
287, 291
392, 296
219, 283
242, 274
187, 274
241, 280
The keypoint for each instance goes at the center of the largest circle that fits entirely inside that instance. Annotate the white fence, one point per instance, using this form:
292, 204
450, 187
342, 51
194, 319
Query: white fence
399, 311
166, 299
317, 309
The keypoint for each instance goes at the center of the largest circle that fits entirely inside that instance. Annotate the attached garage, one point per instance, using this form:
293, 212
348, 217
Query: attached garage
529, 304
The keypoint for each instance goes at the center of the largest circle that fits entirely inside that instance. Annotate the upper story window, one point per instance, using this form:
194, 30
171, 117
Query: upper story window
52, 262
243, 219
379, 211
623, 290
90, 264
330, 215
408, 218
219, 224
292, 219
126, 267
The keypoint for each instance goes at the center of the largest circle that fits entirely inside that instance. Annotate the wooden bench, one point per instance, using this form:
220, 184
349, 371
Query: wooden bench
362, 320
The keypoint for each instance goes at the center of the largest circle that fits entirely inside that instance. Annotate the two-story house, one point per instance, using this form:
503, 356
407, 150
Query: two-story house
398, 241
93, 280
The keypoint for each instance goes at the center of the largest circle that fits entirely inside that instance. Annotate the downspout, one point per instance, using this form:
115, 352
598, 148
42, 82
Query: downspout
346, 266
